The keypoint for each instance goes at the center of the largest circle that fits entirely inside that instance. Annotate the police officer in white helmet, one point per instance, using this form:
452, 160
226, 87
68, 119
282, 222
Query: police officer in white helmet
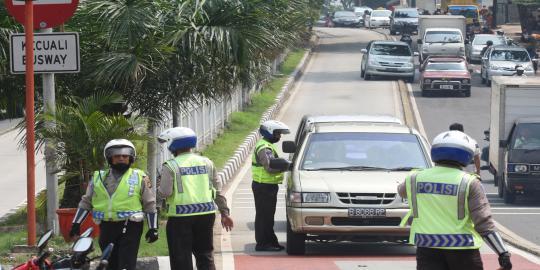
451, 217
119, 198
265, 184
191, 189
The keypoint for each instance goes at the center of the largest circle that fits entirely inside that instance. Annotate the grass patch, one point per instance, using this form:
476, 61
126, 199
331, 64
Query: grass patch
244, 122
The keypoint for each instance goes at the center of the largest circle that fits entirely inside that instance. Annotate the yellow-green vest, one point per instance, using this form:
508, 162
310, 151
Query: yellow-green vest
124, 202
438, 201
258, 172
193, 192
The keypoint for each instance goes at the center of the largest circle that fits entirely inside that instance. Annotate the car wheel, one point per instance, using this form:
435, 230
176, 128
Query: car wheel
508, 196
467, 93
367, 77
426, 93
410, 79
296, 242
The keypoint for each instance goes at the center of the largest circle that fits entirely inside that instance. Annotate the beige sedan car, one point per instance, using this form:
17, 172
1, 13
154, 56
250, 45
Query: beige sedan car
342, 183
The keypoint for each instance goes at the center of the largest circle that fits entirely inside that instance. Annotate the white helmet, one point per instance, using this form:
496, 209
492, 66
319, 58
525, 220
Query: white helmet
453, 146
271, 128
178, 138
119, 147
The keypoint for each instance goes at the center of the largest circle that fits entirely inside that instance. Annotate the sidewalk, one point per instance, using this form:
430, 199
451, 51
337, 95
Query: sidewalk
8, 124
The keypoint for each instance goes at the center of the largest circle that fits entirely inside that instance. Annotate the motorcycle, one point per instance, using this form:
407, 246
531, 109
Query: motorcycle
78, 260
406, 34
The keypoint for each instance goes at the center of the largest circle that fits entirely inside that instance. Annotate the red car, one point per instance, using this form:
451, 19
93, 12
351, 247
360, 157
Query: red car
447, 73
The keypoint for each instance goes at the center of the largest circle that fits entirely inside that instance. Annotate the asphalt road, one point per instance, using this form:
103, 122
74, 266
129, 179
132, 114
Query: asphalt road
331, 85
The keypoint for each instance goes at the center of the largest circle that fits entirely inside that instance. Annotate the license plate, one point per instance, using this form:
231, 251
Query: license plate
391, 69
535, 168
367, 212
446, 87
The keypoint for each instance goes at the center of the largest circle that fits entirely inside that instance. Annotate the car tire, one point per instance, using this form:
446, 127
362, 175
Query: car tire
367, 77
426, 93
508, 197
296, 242
467, 93
410, 79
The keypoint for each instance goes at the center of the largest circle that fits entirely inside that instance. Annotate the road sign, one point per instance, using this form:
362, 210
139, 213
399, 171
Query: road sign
53, 53
47, 13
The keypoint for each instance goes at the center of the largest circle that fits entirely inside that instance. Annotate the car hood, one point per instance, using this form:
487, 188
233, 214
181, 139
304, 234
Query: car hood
351, 181
508, 64
407, 20
453, 74
478, 47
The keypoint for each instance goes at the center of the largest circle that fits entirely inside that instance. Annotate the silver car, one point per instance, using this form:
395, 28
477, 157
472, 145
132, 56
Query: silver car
474, 48
388, 58
342, 184
378, 18
502, 61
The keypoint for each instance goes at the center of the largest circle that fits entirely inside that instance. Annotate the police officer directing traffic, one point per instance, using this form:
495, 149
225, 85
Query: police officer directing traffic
119, 198
265, 185
190, 186
449, 209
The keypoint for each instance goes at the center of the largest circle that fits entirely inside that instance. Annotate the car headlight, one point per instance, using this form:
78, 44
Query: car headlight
518, 168
427, 81
465, 81
315, 197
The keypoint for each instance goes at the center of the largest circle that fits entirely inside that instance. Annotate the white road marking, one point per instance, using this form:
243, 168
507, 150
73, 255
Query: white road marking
416, 112
515, 208
516, 213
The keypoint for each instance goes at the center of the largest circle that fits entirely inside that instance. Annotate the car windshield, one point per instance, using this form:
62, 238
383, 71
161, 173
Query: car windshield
482, 40
344, 14
381, 13
443, 37
467, 12
355, 150
390, 49
446, 66
406, 14
526, 137
511, 55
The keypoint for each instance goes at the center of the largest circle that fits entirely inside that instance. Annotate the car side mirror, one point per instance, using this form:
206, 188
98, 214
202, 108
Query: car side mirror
503, 143
280, 164
288, 147
416, 54
363, 51
419, 41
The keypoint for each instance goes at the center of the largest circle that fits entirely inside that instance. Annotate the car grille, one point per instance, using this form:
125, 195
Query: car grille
388, 64
346, 221
366, 198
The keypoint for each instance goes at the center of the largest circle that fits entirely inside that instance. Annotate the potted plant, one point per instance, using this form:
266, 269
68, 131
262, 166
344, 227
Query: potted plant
80, 131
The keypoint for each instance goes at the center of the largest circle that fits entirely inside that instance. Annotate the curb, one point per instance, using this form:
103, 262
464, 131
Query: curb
233, 164
517, 241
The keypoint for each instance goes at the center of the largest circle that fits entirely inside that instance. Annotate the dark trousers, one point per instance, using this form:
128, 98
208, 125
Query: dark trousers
265, 207
444, 259
191, 235
126, 246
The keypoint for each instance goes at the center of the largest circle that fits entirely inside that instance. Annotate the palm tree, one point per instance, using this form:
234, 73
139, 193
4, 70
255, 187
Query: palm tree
79, 135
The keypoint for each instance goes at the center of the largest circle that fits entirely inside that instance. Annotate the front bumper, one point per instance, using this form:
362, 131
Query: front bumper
435, 84
347, 23
399, 27
379, 23
337, 221
523, 184
390, 71
493, 72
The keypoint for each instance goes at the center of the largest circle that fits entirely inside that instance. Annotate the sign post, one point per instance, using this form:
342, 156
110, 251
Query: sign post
30, 136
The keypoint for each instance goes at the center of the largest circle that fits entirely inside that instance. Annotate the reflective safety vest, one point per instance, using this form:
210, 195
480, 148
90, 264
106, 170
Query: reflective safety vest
258, 172
124, 202
193, 192
438, 201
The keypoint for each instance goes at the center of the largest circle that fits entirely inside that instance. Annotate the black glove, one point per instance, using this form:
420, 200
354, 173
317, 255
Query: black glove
504, 261
75, 230
151, 235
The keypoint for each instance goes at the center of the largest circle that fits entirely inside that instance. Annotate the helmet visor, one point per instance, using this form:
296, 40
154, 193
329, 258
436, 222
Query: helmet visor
120, 151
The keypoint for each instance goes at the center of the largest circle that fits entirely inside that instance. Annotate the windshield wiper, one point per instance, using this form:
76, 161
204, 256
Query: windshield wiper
350, 168
397, 169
